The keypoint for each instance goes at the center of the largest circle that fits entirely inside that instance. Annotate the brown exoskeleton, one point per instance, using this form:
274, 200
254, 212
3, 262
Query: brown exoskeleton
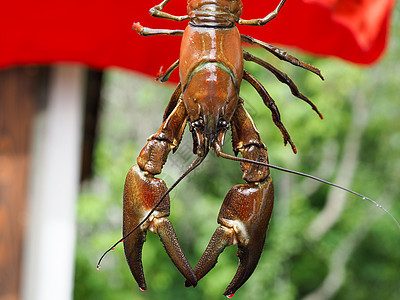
207, 98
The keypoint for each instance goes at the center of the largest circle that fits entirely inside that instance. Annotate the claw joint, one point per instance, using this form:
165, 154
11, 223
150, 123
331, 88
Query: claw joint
240, 235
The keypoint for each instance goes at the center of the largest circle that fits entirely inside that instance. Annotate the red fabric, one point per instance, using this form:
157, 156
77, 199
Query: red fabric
98, 32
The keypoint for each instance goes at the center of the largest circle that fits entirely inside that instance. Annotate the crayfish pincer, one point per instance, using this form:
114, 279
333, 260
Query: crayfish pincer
211, 68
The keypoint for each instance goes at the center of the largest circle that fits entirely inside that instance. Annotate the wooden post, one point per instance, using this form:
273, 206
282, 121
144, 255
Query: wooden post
41, 112
19, 94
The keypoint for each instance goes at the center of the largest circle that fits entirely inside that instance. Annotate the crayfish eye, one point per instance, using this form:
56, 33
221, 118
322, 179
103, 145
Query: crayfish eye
198, 123
223, 124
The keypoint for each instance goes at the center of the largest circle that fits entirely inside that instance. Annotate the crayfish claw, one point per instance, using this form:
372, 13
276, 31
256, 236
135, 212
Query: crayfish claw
164, 229
221, 238
244, 219
142, 191
133, 246
248, 260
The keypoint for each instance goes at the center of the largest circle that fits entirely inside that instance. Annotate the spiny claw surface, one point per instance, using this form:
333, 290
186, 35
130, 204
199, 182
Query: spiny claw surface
244, 219
141, 193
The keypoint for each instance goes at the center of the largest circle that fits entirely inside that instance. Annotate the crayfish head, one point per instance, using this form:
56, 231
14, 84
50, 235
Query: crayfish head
210, 99
208, 132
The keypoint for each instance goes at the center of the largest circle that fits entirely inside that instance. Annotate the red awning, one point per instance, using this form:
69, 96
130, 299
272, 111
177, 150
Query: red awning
98, 32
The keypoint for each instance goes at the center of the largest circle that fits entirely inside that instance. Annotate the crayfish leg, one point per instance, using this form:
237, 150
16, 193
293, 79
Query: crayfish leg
146, 201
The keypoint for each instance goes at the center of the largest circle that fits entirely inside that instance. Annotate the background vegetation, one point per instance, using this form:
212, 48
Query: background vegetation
322, 243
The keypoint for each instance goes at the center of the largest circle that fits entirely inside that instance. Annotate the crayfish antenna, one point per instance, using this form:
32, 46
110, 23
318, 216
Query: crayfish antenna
240, 159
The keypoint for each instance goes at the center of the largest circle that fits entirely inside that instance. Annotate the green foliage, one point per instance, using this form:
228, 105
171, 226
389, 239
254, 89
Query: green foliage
357, 144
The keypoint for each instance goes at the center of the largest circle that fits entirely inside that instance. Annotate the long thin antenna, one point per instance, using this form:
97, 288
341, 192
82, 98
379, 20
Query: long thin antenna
241, 159
193, 166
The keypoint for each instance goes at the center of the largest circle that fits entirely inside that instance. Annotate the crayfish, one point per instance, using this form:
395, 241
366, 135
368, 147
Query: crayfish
211, 68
